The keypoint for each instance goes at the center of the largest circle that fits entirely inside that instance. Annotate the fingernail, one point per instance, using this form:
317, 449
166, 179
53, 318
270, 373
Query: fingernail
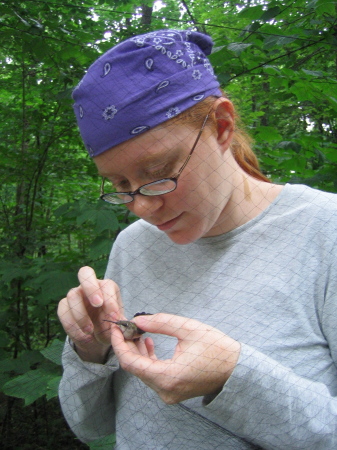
97, 300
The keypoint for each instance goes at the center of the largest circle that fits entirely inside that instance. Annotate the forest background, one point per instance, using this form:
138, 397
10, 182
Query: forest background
277, 60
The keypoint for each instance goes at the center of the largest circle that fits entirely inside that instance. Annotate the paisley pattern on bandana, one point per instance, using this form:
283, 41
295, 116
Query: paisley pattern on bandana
141, 83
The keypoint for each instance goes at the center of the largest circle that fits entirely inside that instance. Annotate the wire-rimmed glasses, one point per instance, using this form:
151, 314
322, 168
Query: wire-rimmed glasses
159, 187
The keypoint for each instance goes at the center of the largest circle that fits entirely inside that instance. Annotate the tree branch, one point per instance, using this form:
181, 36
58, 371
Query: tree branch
276, 58
192, 18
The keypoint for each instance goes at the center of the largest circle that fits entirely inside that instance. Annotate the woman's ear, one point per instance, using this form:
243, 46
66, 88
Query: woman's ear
224, 114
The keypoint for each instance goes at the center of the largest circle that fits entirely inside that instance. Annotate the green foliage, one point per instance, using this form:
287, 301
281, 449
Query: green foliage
33, 384
276, 59
280, 70
33, 374
105, 443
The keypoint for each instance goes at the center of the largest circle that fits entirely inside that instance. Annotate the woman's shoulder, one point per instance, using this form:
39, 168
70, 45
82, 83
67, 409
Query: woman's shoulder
299, 195
310, 208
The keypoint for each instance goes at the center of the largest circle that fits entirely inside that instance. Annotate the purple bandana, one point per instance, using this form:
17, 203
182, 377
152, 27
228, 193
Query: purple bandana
141, 83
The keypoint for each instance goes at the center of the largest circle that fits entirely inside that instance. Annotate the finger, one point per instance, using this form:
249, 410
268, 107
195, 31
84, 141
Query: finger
78, 311
71, 327
141, 346
150, 348
129, 353
90, 286
112, 302
154, 373
65, 315
146, 347
171, 325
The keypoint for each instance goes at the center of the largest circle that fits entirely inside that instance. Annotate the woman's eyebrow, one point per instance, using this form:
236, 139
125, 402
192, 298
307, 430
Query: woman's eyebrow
152, 158
141, 161
157, 157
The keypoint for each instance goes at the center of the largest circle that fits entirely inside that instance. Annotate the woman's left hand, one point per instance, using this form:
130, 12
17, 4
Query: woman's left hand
202, 362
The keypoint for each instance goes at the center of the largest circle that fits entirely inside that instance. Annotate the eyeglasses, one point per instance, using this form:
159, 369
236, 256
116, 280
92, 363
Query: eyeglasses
159, 187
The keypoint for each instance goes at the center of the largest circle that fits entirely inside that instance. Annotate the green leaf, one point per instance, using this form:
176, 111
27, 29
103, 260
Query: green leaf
12, 271
252, 12
331, 154
63, 209
100, 246
87, 215
326, 7
238, 47
105, 443
312, 4
30, 386
106, 220
278, 41
224, 78
268, 134
303, 91
333, 99
290, 145
314, 73
271, 13
21, 364
54, 284
52, 387
4, 378
54, 352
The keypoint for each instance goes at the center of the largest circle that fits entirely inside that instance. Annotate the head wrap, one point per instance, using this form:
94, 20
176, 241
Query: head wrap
141, 83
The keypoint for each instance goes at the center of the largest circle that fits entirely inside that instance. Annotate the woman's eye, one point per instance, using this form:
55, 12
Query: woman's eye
121, 186
161, 171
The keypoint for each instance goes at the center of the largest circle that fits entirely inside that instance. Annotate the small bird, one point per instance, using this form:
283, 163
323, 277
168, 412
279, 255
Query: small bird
129, 329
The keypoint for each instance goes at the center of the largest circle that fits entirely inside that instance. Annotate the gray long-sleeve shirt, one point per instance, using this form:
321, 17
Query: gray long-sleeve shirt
271, 284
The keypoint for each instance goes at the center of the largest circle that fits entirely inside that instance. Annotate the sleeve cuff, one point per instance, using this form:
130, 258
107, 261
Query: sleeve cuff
71, 357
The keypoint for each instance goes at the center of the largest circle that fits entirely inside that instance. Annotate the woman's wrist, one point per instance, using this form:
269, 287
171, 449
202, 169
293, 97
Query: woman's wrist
95, 353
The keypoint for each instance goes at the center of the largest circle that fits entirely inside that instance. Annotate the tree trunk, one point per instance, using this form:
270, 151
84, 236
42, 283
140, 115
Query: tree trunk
146, 14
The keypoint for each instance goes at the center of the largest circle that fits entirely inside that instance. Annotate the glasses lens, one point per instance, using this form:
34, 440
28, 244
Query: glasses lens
117, 199
158, 187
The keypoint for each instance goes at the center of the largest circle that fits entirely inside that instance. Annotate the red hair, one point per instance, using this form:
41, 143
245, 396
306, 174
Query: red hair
241, 143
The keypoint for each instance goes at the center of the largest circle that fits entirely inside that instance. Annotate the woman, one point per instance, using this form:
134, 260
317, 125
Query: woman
237, 271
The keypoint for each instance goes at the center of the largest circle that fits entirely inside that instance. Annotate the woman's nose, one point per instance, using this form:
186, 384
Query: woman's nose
145, 206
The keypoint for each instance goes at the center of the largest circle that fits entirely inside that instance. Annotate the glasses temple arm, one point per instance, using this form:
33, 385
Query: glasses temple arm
195, 144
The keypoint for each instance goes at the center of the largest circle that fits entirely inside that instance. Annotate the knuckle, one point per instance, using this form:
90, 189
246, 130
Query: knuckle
63, 308
60, 308
168, 385
122, 365
73, 291
125, 366
168, 398
110, 285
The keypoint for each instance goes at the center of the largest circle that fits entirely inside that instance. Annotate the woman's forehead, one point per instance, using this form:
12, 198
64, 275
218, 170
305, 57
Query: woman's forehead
152, 146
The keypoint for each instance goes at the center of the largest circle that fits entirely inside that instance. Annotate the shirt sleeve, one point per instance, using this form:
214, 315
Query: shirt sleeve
269, 405
86, 395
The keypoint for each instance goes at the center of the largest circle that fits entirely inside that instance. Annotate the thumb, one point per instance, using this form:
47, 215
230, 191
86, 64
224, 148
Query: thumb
169, 324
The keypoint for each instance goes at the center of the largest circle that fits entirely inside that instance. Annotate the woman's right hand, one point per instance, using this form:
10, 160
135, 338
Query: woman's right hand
83, 311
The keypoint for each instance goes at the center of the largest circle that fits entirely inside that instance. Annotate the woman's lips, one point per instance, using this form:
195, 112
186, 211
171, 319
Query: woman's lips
169, 224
